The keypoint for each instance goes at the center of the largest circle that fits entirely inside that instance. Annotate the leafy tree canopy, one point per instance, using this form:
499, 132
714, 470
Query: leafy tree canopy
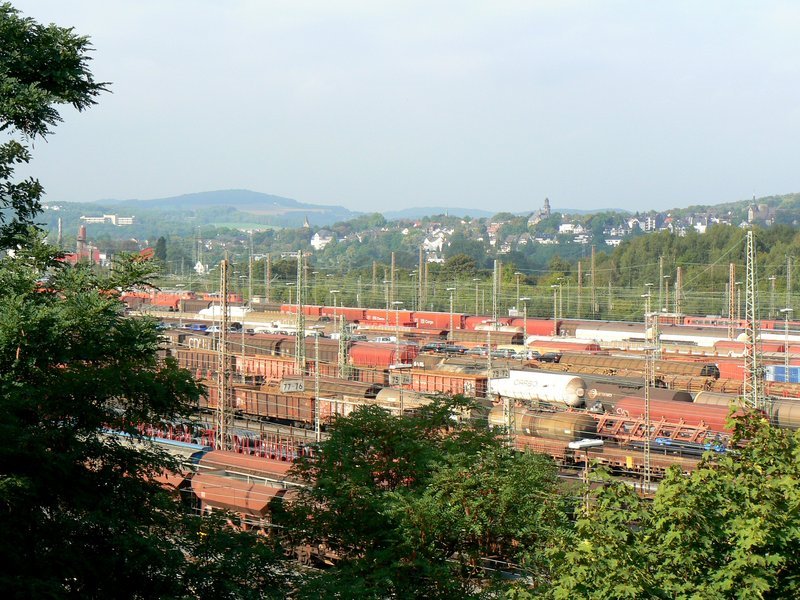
729, 530
41, 67
411, 505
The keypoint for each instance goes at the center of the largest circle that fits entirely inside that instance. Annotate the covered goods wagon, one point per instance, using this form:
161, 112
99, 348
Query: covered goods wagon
541, 327
438, 320
381, 356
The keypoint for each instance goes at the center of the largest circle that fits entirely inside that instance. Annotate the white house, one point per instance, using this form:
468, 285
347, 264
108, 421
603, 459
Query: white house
321, 239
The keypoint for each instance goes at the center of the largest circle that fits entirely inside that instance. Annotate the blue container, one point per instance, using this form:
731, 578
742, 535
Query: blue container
778, 374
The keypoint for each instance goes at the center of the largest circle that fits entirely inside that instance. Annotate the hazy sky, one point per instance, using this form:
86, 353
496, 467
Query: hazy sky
382, 105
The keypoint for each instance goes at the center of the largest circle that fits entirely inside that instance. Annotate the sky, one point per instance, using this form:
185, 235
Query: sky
387, 105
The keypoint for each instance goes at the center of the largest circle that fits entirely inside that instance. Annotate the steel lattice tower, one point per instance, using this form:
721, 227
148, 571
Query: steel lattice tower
344, 366
223, 417
753, 390
300, 336
731, 301
495, 280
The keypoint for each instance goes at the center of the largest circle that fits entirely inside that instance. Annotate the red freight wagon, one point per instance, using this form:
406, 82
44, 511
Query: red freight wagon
714, 417
325, 369
216, 297
733, 347
731, 370
328, 349
440, 382
438, 320
376, 376
498, 338
204, 361
381, 356
473, 321
289, 309
312, 311
381, 315
268, 402
266, 367
349, 314
262, 343
170, 301
543, 346
537, 326
714, 322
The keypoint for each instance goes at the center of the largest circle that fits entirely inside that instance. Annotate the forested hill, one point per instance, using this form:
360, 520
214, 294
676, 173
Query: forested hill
704, 258
788, 204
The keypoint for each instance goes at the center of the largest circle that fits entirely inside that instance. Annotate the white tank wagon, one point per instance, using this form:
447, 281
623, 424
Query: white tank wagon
538, 386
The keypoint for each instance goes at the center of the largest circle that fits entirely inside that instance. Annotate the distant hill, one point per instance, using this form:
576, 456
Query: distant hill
428, 211
476, 213
589, 211
281, 211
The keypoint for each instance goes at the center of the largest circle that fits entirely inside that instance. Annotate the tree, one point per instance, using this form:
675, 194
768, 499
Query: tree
41, 67
160, 251
729, 530
81, 512
457, 266
411, 505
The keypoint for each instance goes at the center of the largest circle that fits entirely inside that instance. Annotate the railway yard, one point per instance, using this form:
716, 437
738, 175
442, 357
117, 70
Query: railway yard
572, 389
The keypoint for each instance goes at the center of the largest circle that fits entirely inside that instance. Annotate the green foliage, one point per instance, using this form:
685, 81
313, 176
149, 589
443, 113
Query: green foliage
413, 505
460, 244
548, 225
78, 512
362, 223
227, 563
513, 226
41, 67
160, 251
457, 266
729, 530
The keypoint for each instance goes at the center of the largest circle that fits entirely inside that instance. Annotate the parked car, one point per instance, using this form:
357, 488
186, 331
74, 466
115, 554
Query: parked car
477, 351
503, 353
454, 349
433, 347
